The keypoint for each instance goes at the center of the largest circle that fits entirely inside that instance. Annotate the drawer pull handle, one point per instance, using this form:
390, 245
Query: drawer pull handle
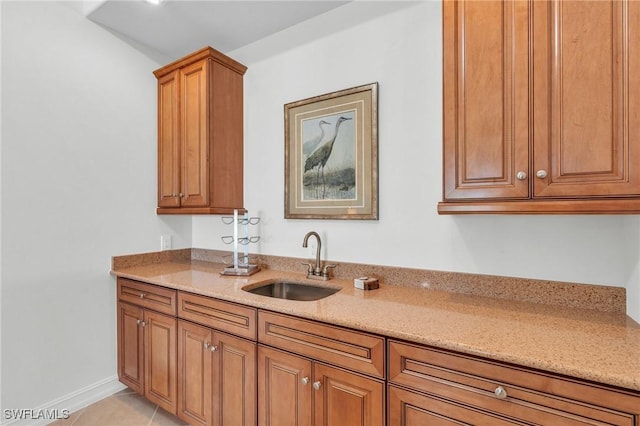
305, 380
316, 385
500, 392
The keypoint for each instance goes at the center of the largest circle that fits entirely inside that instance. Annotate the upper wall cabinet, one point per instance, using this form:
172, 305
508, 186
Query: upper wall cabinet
541, 106
200, 135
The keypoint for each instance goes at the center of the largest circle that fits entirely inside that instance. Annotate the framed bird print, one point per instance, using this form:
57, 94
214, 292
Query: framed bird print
331, 155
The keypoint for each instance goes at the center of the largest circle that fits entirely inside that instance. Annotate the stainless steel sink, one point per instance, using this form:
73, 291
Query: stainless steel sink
291, 290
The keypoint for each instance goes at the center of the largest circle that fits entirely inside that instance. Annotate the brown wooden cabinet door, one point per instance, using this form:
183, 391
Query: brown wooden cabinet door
342, 398
130, 346
169, 140
235, 387
194, 132
586, 78
195, 377
486, 99
284, 389
160, 343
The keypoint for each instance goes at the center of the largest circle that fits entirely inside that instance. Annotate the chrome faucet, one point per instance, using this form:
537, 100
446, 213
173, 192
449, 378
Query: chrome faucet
317, 272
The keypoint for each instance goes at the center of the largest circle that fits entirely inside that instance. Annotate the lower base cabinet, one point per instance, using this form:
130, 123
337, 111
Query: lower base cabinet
147, 354
213, 362
294, 390
216, 377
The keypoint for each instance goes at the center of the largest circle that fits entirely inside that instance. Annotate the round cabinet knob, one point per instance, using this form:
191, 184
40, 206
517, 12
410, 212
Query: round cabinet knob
138, 321
211, 347
521, 175
305, 380
316, 385
541, 174
500, 392
142, 323
181, 195
141, 295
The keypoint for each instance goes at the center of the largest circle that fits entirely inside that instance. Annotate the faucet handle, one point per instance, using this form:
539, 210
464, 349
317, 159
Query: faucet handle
325, 270
309, 268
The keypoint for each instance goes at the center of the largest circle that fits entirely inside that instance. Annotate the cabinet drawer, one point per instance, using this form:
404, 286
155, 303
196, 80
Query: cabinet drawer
340, 346
529, 395
408, 408
147, 295
224, 316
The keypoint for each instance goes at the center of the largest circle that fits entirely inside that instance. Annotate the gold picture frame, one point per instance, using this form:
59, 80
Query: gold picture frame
331, 155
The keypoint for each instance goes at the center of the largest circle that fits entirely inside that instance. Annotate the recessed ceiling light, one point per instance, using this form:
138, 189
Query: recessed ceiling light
154, 1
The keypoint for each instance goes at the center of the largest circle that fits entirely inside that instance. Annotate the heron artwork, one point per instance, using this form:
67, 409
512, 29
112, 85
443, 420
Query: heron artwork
318, 158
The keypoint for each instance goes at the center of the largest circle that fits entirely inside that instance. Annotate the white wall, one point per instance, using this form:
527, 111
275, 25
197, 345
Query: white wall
78, 186
402, 52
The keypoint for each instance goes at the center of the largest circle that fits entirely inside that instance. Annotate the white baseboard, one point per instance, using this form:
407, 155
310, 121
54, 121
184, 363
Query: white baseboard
65, 404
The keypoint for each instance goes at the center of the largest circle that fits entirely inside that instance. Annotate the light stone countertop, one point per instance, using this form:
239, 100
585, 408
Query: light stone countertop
600, 346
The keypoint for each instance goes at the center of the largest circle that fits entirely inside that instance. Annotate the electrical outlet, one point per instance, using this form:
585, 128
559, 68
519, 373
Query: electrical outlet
165, 242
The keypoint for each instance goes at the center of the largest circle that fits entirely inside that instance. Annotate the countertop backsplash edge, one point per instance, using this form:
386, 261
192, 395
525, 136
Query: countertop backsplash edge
555, 293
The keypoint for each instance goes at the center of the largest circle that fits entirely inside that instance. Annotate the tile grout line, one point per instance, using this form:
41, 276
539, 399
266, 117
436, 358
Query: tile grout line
79, 415
152, 416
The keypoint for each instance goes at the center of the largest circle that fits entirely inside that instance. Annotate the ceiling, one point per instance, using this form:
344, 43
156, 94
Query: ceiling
175, 28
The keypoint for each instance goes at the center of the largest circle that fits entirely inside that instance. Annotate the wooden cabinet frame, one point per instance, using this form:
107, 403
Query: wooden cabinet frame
541, 106
147, 354
200, 134
216, 377
295, 390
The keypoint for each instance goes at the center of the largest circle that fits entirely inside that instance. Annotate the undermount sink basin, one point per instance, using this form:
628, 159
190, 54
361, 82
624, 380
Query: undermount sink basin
290, 290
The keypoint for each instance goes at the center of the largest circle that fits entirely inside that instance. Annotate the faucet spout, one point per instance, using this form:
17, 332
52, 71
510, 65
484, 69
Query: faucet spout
318, 268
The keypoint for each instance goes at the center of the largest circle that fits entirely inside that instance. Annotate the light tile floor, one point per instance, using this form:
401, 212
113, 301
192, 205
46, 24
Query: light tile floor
125, 408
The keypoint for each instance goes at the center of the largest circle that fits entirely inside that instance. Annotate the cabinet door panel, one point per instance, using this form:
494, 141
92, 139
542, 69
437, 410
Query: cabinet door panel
586, 98
130, 347
160, 342
235, 394
168, 141
345, 398
486, 101
195, 382
195, 134
283, 396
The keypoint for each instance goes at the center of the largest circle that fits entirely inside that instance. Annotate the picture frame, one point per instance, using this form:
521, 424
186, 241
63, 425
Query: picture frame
331, 155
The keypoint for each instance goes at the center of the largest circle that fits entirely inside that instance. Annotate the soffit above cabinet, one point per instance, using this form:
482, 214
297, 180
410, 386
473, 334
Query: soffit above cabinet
175, 27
